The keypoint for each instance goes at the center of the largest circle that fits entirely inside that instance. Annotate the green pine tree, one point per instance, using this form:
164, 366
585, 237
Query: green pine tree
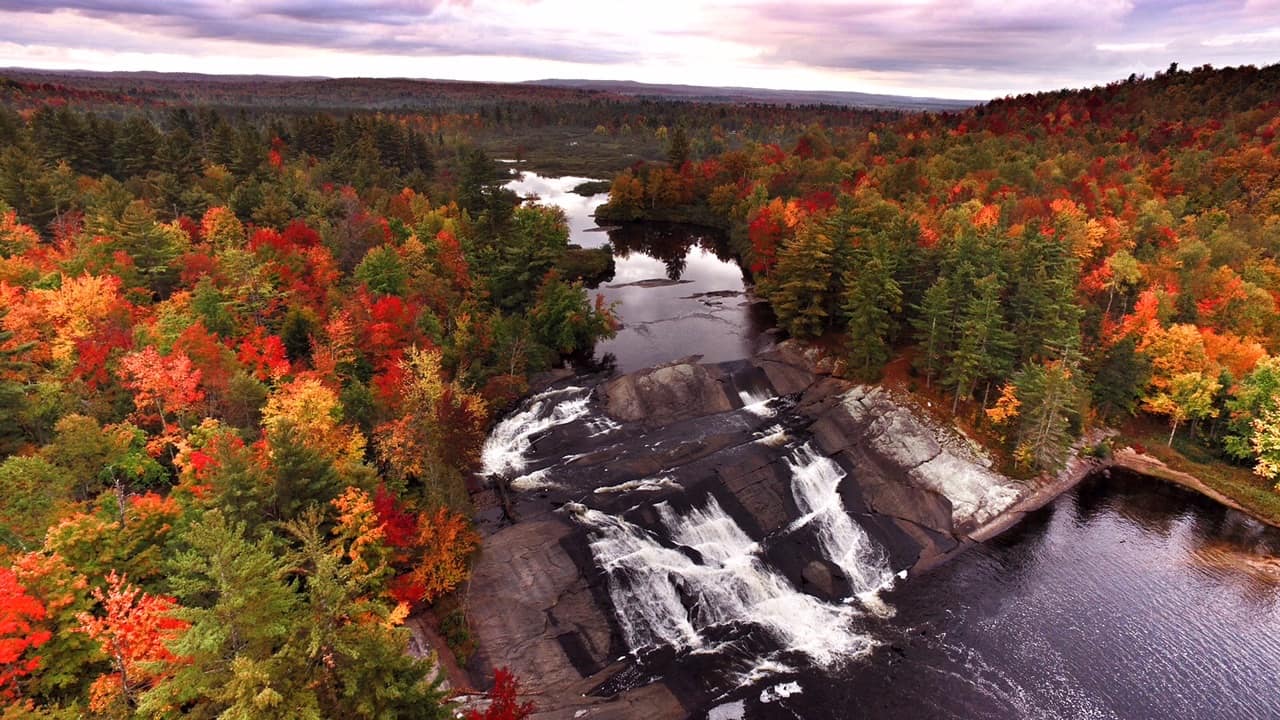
933, 324
798, 287
1051, 398
872, 299
985, 344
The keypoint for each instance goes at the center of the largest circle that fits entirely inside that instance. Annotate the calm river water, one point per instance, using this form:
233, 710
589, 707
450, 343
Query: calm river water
679, 290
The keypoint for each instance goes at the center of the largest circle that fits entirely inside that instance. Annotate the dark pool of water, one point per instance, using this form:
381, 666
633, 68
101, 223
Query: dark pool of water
679, 291
1125, 598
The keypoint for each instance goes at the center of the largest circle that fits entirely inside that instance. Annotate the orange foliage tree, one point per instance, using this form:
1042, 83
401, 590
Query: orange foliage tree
134, 632
20, 634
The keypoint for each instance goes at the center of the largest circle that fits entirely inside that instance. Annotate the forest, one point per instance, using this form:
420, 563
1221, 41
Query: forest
248, 365
1041, 263
251, 341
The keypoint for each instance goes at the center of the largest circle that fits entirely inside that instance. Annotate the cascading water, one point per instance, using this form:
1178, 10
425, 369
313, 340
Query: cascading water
757, 403
505, 449
815, 485
665, 596
694, 581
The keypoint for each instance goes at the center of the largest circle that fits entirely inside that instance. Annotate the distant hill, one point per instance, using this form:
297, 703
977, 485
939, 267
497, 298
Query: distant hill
695, 93
272, 91
409, 93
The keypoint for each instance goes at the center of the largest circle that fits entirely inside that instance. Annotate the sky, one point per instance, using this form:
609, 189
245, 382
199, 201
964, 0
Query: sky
973, 49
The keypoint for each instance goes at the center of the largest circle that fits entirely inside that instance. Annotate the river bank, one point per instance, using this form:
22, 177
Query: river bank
654, 494
733, 441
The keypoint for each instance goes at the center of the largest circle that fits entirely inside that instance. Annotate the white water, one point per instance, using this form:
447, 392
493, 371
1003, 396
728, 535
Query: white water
781, 691
505, 449
642, 485
815, 485
757, 403
536, 480
663, 596
775, 436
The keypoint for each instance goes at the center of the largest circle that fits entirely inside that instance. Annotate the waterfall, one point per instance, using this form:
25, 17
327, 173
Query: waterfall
663, 595
504, 450
774, 436
815, 485
757, 403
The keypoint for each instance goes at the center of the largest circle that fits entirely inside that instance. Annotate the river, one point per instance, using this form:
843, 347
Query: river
678, 288
1125, 598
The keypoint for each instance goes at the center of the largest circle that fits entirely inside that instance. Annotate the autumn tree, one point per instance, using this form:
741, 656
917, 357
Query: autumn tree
504, 700
1188, 396
69, 660
310, 413
440, 422
798, 286
20, 634
1257, 393
165, 387
134, 631
1265, 443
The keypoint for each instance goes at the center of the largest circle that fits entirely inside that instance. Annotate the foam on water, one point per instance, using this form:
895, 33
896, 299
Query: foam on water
815, 485
757, 403
780, 691
775, 436
601, 426
505, 448
642, 485
736, 710
765, 668
665, 596
536, 480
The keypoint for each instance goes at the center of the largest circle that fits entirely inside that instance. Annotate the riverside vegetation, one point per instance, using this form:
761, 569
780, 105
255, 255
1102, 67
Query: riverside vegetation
1044, 262
251, 342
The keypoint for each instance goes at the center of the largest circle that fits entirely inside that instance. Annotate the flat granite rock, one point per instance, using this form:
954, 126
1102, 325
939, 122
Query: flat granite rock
762, 492
526, 594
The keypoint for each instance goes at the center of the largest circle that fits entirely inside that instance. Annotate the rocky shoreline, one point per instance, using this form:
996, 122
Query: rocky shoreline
539, 605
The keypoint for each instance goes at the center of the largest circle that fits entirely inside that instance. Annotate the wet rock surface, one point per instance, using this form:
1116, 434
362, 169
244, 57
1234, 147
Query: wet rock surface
725, 445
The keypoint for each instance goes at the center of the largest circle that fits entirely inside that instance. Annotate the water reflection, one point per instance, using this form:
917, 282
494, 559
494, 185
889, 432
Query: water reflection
678, 289
679, 293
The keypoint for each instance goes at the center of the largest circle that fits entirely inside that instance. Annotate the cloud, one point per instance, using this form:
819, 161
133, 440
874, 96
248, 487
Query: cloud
966, 48
408, 27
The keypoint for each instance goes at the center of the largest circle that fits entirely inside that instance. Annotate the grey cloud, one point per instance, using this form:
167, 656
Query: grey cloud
396, 27
967, 37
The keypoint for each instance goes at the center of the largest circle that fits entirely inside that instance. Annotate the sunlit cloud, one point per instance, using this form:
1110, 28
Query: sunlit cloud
1131, 47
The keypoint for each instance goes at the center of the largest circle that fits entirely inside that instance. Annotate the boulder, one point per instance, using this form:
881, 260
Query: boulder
665, 394
819, 577
784, 378
933, 458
